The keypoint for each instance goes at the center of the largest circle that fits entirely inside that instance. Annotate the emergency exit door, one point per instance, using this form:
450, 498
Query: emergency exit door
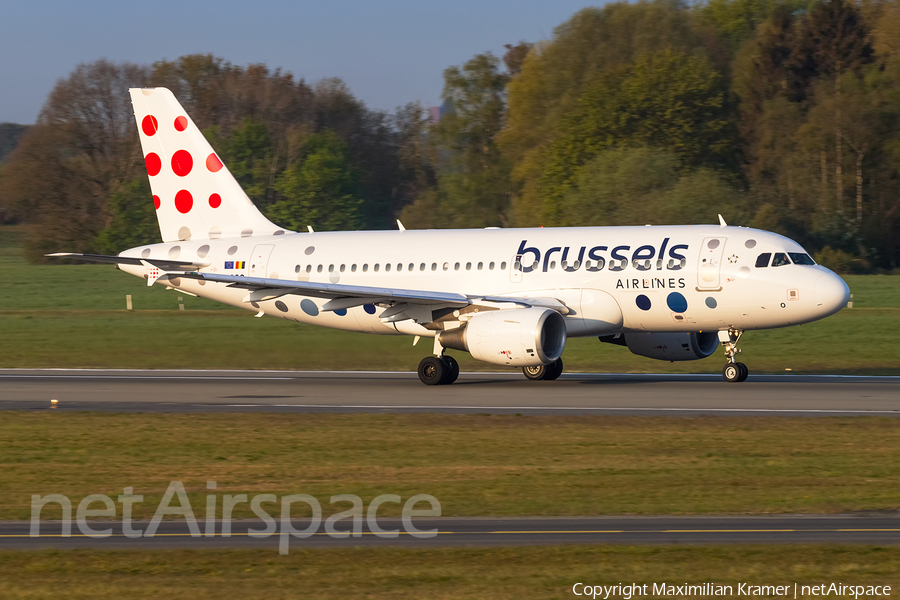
259, 260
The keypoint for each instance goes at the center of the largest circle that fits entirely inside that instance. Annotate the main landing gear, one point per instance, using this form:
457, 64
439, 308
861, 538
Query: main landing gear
435, 370
733, 372
544, 372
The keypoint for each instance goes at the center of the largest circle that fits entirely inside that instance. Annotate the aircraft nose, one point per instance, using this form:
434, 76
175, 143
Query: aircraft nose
832, 293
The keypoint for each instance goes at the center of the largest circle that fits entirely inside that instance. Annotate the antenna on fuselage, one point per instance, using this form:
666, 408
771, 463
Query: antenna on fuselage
722, 222
400, 225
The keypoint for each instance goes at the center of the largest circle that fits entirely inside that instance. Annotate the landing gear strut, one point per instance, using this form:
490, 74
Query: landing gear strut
734, 372
544, 372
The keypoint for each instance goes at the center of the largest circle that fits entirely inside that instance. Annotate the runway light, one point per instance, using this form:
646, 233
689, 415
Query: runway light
53, 403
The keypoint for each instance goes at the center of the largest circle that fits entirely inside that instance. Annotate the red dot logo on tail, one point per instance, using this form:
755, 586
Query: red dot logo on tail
213, 163
215, 200
156, 202
180, 123
154, 164
184, 201
149, 125
182, 163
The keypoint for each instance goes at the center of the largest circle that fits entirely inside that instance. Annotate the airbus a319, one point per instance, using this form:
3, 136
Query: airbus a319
509, 297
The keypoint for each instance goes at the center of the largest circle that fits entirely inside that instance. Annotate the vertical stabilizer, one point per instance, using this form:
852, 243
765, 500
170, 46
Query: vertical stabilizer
195, 195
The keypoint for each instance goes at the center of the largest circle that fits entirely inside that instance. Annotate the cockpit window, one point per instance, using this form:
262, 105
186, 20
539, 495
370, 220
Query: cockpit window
780, 259
763, 260
800, 258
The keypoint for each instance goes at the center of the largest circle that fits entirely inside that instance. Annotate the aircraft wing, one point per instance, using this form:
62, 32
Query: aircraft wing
401, 304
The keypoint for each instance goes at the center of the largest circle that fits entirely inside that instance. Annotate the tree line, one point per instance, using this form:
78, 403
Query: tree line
778, 114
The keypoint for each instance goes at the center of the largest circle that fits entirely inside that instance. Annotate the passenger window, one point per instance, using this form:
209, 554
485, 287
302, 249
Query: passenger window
343, 267
456, 267
763, 260
799, 258
422, 267
399, 266
468, 266
297, 269
365, 267
309, 268
319, 269
411, 267
503, 266
480, 266
353, 268
491, 266
780, 259
434, 266
387, 267
446, 266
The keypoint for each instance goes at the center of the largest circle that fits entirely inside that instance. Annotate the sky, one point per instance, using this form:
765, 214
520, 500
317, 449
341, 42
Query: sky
389, 52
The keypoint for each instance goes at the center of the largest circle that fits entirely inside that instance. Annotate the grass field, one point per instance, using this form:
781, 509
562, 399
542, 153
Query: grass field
475, 465
520, 572
74, 316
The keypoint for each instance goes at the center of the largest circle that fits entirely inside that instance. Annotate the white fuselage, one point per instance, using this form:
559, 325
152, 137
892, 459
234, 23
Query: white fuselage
614, 279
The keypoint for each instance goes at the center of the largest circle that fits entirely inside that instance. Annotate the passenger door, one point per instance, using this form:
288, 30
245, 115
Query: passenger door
710, 264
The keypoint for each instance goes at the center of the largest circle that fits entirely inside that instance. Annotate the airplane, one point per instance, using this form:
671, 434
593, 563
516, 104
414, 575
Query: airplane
509, 297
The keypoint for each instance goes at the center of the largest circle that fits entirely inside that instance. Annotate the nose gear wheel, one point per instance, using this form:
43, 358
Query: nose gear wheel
733, 372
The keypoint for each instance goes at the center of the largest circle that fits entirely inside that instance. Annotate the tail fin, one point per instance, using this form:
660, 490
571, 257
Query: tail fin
196, 197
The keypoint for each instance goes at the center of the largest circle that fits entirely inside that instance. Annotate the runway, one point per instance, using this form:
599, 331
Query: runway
497, 393
482, 532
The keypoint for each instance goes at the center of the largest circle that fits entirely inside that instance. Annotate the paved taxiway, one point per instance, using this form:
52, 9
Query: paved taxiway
500, 393
491, 532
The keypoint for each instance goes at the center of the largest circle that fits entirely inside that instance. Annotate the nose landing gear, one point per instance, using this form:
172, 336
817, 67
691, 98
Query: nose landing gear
734, 371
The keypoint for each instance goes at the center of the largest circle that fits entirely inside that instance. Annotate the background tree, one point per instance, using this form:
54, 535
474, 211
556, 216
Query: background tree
472, 187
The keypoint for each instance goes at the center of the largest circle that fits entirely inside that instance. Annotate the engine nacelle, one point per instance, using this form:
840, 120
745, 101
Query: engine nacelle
673, 346
523, 337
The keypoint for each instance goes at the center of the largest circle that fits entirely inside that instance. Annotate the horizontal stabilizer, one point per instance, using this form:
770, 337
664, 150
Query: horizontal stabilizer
164, 264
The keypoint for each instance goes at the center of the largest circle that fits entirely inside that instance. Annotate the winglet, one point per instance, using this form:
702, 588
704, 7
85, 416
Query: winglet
722, 222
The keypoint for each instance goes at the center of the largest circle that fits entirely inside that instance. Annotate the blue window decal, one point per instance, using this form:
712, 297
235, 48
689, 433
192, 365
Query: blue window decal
341, 312
677, 302
643, 302
711, 302
309, 307
369, 308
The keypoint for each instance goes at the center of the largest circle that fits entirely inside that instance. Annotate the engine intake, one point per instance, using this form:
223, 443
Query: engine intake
524, 337
669, 346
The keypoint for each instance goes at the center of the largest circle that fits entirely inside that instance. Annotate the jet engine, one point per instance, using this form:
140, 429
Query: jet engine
668, 346
523, 337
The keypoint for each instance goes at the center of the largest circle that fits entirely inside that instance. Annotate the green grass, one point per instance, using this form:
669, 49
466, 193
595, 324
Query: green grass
475, 465
519, 572
74, 316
